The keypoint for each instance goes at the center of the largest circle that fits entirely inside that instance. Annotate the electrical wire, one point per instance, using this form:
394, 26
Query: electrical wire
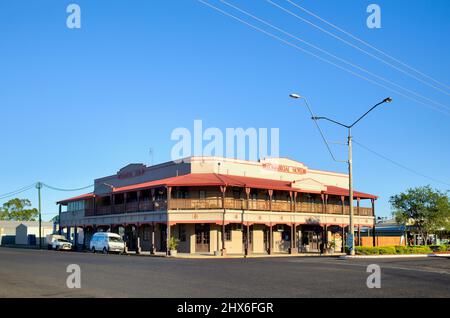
320, 58
357, 47
333, 55
399, 164
67, 190
16, 192
367, 44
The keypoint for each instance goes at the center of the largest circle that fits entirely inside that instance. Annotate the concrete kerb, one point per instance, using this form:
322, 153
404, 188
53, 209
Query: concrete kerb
393, 256
237, 256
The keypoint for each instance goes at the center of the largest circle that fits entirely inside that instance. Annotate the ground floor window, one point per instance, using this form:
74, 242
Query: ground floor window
182, 232
146, 233
228, 231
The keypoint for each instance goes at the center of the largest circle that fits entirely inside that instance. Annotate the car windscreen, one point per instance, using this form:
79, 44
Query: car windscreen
62, 240
115, 239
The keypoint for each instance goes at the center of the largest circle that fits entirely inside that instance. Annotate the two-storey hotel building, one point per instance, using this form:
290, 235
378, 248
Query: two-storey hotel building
221, 206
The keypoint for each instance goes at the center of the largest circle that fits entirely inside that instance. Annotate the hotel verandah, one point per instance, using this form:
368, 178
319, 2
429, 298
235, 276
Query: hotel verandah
221, 206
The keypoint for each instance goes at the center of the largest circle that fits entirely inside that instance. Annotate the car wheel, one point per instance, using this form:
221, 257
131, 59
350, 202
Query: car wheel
105, 251
93, 249
57, 248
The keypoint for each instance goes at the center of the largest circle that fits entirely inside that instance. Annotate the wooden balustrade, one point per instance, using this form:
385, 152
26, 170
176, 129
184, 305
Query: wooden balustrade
230, 203
365, 211
195, 204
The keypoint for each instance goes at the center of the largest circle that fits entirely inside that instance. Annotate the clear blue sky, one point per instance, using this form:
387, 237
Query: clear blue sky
80, 104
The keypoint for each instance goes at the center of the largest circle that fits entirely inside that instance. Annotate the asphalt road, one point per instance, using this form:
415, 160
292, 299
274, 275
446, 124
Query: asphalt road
33, 273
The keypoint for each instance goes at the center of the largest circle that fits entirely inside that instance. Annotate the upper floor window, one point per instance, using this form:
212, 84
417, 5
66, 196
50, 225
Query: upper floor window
75, 205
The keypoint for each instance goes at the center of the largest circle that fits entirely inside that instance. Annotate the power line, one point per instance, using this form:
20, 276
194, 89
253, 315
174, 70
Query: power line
319, 57
332, 55
356, 47
368, 44
400, 165
67, 190
29, 187
16, 192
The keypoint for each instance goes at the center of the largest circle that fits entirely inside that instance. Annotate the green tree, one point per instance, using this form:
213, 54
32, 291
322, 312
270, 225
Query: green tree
55, 219
424, 208
18, 210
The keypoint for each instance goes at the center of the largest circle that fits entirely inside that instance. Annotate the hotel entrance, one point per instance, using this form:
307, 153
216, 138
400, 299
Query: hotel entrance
130, 235
311, 238
202, 238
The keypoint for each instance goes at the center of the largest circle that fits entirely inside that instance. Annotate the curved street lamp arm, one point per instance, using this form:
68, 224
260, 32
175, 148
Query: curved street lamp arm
387, 100
331, 120
321, 132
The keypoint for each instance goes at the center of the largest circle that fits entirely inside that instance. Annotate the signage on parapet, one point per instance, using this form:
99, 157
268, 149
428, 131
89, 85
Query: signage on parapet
284, 168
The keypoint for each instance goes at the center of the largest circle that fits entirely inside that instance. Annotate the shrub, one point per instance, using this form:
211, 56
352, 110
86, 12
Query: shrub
366, 250
422, 249
438, 248
387, 250
393, 250
401, 250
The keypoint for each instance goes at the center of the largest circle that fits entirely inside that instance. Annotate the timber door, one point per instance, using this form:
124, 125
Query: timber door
313, 241
201, 238
130, 237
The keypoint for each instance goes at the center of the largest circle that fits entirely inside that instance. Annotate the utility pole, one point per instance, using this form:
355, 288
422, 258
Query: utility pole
351, 231
351, 234
39, 187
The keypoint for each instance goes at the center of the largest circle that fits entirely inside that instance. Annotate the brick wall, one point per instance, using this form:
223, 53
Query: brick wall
381, 241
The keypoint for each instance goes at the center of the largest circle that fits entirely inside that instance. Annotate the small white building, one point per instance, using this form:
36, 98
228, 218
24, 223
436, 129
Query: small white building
26, 232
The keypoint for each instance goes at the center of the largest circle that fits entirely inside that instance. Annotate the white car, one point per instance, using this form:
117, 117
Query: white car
61, 244
107, 242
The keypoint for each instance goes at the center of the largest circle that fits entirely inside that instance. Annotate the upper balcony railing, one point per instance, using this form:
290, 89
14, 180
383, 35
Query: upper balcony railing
265, 205
230, 203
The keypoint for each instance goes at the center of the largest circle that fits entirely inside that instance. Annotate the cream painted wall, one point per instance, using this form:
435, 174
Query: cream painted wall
235, 246
258, 239
278, 244
256, 169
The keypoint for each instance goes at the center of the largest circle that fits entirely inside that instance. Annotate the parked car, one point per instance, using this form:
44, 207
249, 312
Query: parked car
61, 244
53, 238
107, 242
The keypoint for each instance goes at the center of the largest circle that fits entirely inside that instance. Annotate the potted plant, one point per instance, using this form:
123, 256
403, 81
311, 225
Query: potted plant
331, 246
173, 244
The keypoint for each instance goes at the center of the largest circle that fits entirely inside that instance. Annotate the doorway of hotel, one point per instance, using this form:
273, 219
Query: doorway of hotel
202, 238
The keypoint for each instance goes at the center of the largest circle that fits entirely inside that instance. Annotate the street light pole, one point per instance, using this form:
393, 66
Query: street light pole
39, 187
350, 193
351, 231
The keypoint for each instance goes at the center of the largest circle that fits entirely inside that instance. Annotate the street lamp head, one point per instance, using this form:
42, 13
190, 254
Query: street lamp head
316, 118
388, 100
295, 96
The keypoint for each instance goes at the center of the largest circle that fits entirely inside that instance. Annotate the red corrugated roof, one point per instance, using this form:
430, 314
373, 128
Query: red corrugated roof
79, 197
212, 179
342, 191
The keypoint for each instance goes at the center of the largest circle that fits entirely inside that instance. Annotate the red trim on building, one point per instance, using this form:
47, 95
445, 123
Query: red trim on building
342, 191
77, 198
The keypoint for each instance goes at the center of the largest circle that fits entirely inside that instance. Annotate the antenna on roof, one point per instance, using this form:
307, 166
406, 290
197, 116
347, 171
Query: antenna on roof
150, 152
